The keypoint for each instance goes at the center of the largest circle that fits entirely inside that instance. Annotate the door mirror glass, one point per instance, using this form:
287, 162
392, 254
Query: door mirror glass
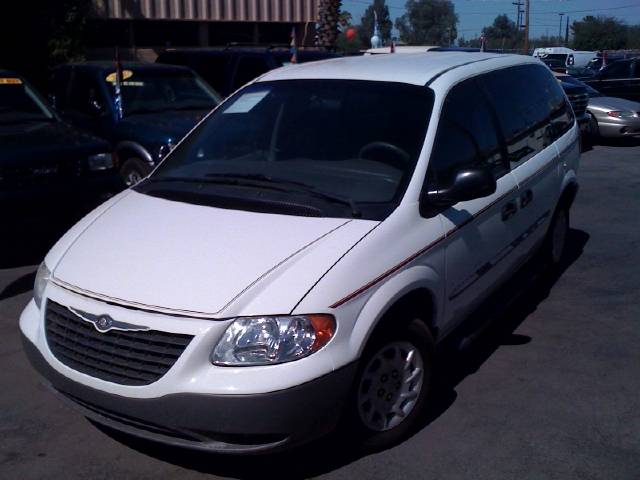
468, 184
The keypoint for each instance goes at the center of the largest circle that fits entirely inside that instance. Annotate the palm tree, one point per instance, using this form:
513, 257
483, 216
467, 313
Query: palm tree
328, 20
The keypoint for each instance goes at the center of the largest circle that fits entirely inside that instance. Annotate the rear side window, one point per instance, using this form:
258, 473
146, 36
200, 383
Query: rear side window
616, 70
526, 98
467, 136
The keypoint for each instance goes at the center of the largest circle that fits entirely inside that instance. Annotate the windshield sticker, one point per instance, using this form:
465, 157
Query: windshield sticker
125, 74
133, 84
246, 102
10, 81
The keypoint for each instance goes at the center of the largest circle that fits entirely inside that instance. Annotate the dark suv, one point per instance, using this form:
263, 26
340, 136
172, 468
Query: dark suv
618, 79
160, 104
229, 68
43, 161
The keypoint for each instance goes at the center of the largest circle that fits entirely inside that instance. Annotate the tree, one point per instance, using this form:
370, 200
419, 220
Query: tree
49, 32
633, 37
428, 22
503, 33
365, 30
347, 42
328, 19
599, 33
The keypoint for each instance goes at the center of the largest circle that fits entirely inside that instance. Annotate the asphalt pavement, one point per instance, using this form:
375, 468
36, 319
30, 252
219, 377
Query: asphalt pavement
551, 390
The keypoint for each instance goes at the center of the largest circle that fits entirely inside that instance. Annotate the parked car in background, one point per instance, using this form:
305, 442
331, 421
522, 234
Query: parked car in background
228, 68
579, 98
619, 79
160, 105
44, 162
609, 116
561, 58
267, 282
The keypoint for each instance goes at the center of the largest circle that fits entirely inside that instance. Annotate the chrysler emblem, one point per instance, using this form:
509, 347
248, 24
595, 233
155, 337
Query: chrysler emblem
104, 323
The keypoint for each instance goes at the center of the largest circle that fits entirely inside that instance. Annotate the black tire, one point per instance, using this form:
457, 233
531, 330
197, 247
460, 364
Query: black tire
417, 334
133, 170
594, 130
554, 246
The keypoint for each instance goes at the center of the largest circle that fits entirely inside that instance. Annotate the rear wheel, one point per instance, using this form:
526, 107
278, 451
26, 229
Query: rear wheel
392, 385
555, 242
133, 171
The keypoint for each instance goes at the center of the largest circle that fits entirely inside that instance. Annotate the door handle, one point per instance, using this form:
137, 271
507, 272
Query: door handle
526, 198
509, 210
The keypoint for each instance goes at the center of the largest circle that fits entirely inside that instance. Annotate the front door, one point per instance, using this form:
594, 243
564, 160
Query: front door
477, 232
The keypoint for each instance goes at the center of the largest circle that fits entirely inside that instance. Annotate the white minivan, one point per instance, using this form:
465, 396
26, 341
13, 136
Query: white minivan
293, 262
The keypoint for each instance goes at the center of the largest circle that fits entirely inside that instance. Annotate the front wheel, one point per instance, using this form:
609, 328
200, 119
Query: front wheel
133, 171
392, 385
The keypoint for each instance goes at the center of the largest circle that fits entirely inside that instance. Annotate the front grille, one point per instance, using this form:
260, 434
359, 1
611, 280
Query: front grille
124, 357
579, 102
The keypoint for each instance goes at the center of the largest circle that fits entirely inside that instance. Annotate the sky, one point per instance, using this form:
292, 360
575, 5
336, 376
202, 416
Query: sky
544, 18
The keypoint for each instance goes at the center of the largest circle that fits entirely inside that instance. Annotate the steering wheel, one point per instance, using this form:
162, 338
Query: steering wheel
399, 154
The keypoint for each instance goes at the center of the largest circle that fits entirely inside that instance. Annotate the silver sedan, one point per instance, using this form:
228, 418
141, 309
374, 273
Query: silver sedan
614, 117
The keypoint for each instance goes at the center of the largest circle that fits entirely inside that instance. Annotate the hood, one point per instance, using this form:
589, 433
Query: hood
161, 126
167, 255
44, 141
613, 103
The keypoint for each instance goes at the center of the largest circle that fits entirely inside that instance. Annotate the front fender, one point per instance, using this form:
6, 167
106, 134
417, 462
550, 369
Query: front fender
388, 294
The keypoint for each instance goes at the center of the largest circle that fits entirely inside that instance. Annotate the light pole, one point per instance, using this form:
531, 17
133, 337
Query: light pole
560, 28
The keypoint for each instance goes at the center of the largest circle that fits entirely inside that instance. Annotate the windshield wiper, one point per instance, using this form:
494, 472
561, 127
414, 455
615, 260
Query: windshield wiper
264, 181
300, 187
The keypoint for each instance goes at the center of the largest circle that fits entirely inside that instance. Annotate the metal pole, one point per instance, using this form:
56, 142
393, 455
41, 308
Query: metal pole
560, 29
566, 34
526, 27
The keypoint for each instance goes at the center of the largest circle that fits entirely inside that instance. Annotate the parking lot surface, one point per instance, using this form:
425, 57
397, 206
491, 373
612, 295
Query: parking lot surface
549, 391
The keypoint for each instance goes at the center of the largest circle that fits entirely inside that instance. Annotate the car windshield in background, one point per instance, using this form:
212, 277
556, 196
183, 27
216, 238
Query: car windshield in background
147, 91
574, 81
341, 148
19, 103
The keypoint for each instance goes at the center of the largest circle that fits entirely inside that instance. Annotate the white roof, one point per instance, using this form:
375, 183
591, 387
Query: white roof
412, 68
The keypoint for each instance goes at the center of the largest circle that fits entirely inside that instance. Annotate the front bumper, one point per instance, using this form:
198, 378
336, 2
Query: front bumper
624, 127
221, 423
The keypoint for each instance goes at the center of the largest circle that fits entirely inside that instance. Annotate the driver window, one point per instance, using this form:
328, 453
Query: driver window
467, 136
86, 97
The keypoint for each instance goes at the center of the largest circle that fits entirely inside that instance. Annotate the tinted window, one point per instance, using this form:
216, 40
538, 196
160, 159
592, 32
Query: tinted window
20, 104
354, 140
617, 70
467, 136
85, 93
249, 68
211, 67
525, 98
158, 89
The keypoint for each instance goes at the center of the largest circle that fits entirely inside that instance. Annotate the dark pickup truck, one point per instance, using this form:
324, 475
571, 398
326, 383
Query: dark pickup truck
45, 163
160, 104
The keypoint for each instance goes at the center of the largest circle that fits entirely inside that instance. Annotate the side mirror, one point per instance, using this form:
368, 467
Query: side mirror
468, 184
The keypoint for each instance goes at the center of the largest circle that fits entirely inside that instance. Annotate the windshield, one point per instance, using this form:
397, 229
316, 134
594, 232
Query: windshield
145, 91
337, 147
20, 103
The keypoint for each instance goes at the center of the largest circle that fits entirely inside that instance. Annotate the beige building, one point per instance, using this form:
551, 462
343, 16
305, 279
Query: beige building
140, 26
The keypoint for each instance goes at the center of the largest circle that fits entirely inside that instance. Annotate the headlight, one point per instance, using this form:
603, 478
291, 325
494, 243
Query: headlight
100, 161
271, 340
42, 278
622, 114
